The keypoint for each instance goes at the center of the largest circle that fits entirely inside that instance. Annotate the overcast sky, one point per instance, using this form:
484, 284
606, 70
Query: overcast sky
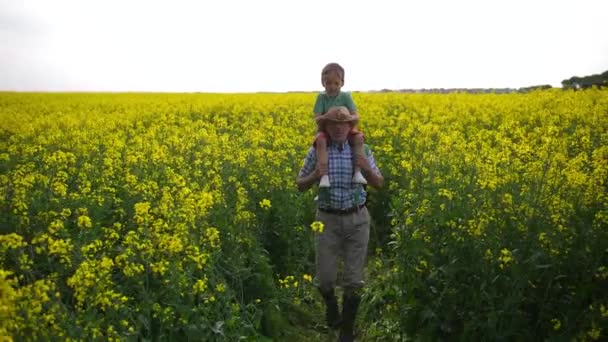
244, 46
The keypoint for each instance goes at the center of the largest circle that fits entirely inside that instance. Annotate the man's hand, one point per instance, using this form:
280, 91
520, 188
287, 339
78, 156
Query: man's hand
374, 179
363, 163
306, 182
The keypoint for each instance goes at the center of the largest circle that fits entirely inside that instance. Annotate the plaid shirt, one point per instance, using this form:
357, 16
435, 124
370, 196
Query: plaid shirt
343, 193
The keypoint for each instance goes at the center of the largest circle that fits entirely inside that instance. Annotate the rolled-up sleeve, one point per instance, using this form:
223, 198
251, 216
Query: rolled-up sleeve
372, 163
349, 103
309, 163
318, 109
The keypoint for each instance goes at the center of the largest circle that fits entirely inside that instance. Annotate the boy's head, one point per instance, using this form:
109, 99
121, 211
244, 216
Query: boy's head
332, 78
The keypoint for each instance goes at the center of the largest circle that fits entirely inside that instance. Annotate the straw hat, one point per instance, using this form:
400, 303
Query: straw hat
337, 114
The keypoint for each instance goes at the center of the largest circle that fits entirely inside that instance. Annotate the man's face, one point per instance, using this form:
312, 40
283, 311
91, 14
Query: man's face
338, 131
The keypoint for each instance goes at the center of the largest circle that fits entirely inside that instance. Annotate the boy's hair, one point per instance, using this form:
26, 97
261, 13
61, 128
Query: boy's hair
332, 67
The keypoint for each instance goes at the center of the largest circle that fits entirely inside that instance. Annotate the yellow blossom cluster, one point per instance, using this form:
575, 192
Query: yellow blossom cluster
265, 204
120, 207
505, 258
288, 281
317, 226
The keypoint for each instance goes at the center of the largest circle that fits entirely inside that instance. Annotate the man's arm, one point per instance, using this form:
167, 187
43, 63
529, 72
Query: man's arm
374, 179
310, 172
370, 171
306, 182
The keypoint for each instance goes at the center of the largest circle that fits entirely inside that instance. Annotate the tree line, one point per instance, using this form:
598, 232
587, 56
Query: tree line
575, 82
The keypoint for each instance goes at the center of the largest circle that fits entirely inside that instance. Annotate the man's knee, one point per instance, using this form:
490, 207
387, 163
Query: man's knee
353, 291
326, 287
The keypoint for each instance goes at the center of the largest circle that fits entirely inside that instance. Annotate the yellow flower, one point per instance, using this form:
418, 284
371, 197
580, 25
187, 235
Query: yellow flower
505, 258
265, 204
557, 324
200, 286
141, 212
604, 311
489, 255
160, 267
12, 241
61, 248
55, 226
594, 333
84, 222
317, 226
213, 236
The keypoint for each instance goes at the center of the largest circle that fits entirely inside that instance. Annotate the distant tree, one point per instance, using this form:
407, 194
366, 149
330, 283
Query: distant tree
575, 82
537, 87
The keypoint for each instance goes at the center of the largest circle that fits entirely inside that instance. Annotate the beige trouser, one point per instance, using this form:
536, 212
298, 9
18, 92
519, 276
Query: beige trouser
346, 235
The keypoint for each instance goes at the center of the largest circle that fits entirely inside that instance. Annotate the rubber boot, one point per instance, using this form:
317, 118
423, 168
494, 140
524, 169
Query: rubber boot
332, 315
350, 306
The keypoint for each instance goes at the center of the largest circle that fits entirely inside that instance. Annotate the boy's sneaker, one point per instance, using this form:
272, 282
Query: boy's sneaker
358, 178
324, 183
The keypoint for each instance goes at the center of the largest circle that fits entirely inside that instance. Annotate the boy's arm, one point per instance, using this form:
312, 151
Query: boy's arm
350, 104
318, 109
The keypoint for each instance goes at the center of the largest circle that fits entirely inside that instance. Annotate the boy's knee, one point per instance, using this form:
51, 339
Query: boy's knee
320, 140
357, 139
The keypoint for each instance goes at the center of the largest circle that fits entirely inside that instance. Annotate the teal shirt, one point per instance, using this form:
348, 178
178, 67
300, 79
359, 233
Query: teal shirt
324, 102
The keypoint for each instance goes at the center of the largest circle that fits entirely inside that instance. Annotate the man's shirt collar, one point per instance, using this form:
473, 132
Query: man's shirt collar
339, 146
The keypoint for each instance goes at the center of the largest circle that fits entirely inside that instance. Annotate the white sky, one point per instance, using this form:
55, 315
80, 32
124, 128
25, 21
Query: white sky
264, 45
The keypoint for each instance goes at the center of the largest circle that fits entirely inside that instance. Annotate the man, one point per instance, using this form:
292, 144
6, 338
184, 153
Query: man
341, 209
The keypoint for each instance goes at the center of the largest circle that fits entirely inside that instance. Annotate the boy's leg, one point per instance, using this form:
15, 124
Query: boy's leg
356, 140
322, 158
